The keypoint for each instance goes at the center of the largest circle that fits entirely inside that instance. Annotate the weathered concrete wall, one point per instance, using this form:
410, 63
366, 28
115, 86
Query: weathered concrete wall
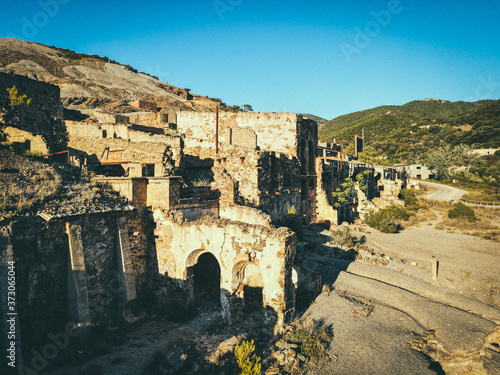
235, 245
135, 189
164, 192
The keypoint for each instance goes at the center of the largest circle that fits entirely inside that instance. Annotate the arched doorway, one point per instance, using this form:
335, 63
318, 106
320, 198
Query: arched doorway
206, 280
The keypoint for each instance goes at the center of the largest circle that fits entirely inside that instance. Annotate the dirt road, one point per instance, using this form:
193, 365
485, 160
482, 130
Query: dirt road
443, 193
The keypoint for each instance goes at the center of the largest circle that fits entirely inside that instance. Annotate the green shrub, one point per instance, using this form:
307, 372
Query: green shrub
248, 361
388, 219
33, 154
312, 340
382, 220
292, 221
343, 237
461, 211
398, 212
410, 199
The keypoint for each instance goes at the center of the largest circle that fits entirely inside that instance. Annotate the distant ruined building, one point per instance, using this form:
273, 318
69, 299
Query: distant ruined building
208, 194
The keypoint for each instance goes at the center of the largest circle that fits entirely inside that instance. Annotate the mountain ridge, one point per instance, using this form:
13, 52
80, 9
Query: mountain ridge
407, 131
92, 81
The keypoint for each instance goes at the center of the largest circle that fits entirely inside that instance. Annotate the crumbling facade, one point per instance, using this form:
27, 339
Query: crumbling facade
207, 192
38, 128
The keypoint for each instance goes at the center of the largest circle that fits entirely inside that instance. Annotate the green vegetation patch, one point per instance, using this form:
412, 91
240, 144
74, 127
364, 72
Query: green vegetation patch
396, 133
461, 211
387, 220
248, 361
312, 340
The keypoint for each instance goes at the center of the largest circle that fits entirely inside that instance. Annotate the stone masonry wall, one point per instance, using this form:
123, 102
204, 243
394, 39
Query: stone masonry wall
265, 180
233, 244
45, 96
42, 256
274, 131
124, 151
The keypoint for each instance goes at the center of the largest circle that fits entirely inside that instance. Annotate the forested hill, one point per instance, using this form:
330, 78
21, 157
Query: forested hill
409, 130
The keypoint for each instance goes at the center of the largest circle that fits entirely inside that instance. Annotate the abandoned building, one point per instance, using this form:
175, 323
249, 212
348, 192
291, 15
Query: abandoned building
207, 192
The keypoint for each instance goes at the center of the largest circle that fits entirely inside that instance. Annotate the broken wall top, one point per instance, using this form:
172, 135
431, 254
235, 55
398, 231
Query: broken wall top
277, 132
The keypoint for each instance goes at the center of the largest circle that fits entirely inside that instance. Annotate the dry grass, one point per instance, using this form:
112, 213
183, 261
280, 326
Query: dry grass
28, 187
487, 226
423, 215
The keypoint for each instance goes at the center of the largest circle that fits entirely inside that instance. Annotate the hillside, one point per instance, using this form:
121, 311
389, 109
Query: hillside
407, 131
91, 81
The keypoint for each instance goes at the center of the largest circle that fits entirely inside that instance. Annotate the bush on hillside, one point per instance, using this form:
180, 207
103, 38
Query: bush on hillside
388, 219
410, 199
312, 339
461, 211
342, 237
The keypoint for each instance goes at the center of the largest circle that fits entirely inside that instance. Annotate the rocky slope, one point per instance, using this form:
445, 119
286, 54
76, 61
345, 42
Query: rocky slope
90, 81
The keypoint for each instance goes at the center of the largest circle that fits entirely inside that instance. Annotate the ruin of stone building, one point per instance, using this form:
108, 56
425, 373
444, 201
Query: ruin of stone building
207, 193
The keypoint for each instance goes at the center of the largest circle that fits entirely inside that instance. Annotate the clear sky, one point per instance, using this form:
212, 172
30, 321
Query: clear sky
324, 57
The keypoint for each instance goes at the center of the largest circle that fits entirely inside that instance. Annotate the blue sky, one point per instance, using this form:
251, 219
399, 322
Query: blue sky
322, 57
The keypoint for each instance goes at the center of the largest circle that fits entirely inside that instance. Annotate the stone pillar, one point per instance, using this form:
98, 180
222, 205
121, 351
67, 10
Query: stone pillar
77, 277
125, 268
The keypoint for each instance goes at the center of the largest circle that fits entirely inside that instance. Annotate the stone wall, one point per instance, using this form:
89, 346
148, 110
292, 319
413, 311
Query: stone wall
235, 245
31, 124
110, 273
44, 96
268, 181
151, 119
273, 131
109, 118
244, 214
35, 143
389, 191
110, 150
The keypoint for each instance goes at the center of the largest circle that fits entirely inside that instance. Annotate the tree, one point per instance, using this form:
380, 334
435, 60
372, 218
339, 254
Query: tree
369, 155
445, 158
247, 108
466, 157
